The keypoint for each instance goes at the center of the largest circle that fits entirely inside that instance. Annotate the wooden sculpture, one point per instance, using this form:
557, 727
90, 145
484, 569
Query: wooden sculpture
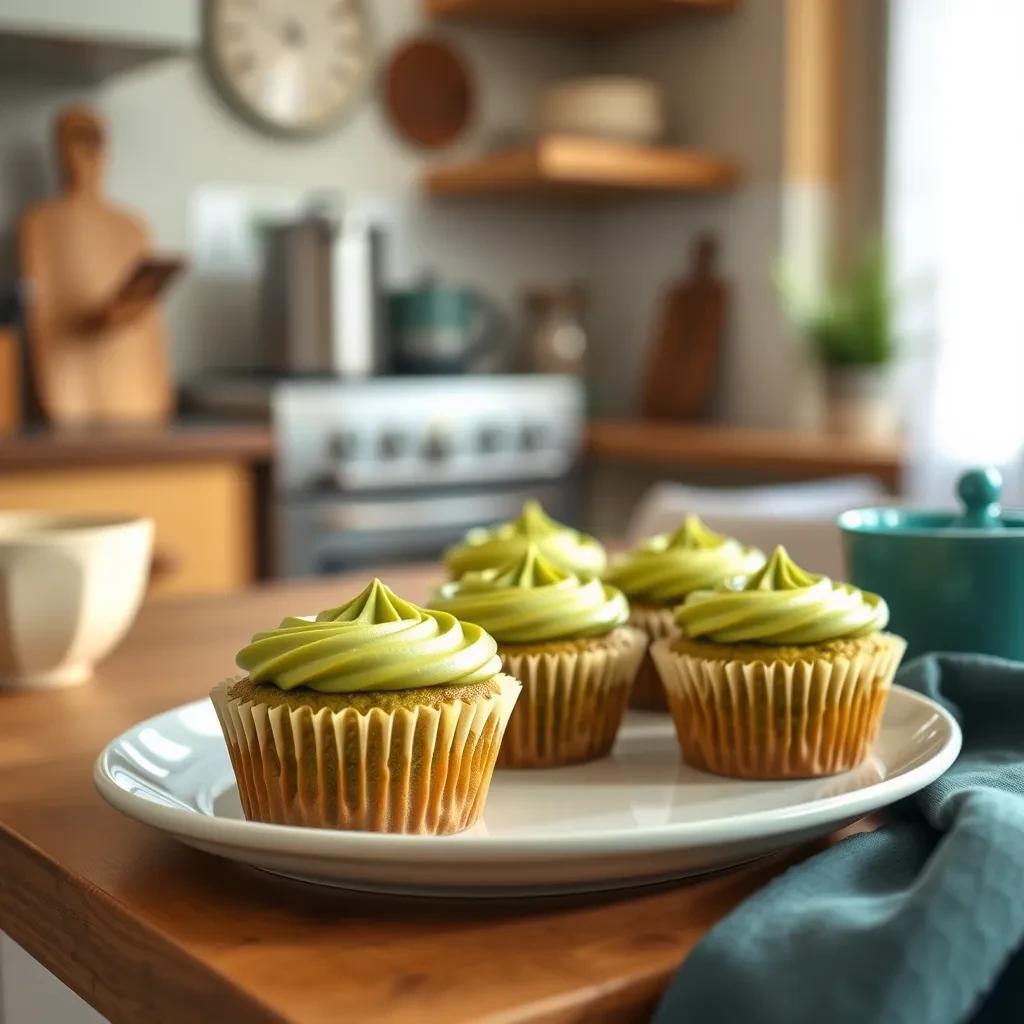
684, 352
95, 333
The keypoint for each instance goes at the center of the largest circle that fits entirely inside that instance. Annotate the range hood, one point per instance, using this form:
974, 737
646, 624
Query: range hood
87, 42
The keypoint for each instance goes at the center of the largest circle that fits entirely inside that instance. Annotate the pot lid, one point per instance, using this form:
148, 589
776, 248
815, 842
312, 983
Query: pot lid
980, 492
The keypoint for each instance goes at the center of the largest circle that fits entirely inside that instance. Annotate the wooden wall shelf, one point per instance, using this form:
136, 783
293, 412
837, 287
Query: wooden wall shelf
778, 452
589, 168
578, 15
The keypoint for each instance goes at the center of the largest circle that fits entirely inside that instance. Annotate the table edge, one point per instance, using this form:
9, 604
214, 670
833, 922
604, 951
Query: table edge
77, 931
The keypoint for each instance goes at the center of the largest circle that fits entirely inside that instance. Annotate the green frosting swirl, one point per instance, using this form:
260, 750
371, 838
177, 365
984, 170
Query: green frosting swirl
492, 548
782, 604
375, 642
665, 568
532, 600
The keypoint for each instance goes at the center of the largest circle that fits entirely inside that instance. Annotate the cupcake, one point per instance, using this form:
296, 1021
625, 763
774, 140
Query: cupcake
659, 573
564, 637
379, 716
491, 548
782, 676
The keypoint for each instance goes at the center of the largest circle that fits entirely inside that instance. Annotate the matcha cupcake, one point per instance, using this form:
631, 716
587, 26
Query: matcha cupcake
782, 676
378, 716
498, 546
659, 573
565, 638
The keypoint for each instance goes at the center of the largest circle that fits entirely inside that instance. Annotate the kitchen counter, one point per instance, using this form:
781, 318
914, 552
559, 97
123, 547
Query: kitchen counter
773, 452
146, 929
164, 473
178, 440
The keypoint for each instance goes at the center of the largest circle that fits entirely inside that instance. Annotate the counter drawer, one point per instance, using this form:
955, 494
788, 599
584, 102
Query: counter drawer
203, 512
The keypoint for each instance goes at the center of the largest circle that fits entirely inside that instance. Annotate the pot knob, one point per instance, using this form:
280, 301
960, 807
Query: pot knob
980, 491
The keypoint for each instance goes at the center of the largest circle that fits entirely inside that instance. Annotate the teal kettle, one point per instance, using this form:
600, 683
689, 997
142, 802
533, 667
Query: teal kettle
439, 328
953, 581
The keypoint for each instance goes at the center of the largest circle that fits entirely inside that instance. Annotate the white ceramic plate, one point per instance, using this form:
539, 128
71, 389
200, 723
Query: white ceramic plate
637, 817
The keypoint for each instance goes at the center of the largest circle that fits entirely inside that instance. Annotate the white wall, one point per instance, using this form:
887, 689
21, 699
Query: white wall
723, 74
723, 78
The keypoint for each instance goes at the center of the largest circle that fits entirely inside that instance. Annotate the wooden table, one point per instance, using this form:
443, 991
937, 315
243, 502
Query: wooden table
146, 929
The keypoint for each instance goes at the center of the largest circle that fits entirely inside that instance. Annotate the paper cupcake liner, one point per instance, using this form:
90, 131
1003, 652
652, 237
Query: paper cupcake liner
778, 719
572, 702
423, 770
657, 623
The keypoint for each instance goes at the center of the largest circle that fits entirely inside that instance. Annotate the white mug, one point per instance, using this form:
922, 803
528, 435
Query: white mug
70, 587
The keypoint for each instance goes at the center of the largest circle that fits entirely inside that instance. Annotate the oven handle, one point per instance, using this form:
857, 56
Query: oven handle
420, 513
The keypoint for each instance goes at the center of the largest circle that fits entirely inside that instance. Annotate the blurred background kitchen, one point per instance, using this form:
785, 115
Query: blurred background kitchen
318, 285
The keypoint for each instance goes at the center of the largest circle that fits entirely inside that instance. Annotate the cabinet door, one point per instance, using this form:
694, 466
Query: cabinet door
203, 512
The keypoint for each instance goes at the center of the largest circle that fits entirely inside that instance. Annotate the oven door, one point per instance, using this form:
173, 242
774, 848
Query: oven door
330, 534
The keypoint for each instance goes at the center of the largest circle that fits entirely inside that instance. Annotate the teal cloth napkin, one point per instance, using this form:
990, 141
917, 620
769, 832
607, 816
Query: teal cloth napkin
921, 922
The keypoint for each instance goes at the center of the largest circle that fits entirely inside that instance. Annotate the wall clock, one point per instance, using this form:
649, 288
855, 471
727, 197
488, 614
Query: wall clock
292, 67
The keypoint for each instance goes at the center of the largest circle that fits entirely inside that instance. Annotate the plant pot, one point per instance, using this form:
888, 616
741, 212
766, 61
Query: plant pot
861, 402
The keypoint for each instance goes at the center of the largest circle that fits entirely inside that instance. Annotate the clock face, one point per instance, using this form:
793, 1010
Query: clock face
293, 66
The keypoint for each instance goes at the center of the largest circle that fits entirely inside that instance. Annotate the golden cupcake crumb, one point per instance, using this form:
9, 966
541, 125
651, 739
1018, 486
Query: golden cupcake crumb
749, 653
386, 700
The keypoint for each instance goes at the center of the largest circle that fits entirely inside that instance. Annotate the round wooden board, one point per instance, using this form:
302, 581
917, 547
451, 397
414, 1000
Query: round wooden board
428, 92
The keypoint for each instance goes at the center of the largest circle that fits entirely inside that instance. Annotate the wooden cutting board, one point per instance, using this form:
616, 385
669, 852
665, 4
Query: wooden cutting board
684, 352
94, 330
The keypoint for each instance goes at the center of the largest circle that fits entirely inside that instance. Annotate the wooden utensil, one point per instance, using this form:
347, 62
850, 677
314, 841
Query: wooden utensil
684, 353
95, 334
428, 92
10, 381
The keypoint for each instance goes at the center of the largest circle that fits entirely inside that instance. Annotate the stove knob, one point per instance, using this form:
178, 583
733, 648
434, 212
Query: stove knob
533, 437
343, 445
391, 444
490, 439
437, 446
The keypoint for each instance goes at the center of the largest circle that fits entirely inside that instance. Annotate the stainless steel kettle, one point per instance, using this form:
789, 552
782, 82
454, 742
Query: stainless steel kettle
322, 301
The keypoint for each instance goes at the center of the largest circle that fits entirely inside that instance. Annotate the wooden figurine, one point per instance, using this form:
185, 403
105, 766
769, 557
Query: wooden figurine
94, 329
683, 359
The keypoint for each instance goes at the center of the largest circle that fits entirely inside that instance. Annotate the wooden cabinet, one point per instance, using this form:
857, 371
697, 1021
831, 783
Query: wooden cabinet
10, 382
203, 511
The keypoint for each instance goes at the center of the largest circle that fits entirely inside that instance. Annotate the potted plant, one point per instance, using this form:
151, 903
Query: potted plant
850, 328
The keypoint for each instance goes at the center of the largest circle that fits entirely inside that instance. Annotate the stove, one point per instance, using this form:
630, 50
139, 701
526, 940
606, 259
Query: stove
392, 469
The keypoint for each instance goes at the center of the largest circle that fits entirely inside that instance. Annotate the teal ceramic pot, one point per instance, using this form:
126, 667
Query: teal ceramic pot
953, 582
440, 329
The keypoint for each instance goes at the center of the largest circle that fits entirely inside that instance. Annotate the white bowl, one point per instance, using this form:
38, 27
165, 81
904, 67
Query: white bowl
603, 106
70, 587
